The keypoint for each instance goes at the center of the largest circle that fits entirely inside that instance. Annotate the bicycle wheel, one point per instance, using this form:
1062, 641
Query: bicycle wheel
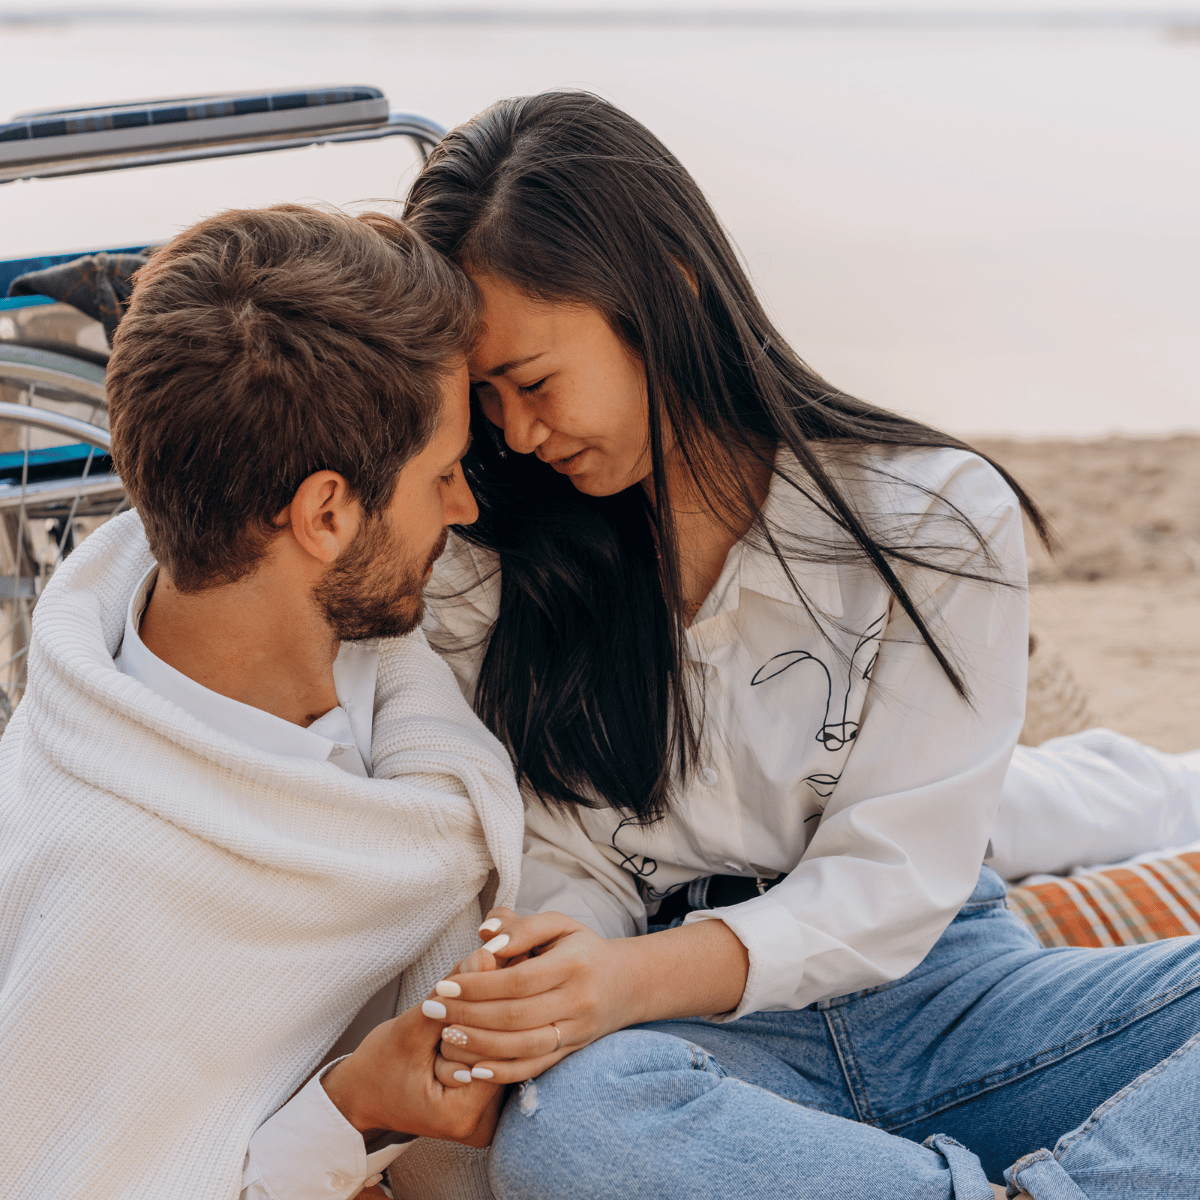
57, 484
60, 382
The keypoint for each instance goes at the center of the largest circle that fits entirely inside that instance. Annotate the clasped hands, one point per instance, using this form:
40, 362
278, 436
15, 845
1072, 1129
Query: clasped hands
398, 1080
560, 988
540, 988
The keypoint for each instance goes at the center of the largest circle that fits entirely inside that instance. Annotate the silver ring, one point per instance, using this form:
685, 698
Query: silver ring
558, 1035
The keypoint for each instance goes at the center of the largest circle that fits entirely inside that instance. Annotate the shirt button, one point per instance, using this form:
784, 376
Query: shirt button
708, 776
339, 1180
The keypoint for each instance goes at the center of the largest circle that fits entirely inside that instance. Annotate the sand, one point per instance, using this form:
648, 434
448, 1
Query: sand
1121, 600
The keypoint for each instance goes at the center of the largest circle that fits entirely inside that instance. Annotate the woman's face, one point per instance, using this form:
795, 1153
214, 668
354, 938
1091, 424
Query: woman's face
560, 384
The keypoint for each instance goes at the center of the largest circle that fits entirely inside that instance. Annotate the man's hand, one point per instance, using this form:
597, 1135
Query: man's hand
396, 1080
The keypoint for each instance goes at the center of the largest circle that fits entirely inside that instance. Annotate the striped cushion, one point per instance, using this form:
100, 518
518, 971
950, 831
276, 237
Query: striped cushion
1120, 906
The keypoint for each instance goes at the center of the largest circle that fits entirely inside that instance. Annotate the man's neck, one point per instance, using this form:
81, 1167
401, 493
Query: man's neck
253, 641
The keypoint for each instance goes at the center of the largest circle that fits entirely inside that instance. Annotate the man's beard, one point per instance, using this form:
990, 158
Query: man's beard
374, 590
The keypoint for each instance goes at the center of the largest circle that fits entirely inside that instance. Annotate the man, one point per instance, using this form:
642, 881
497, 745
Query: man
242, 799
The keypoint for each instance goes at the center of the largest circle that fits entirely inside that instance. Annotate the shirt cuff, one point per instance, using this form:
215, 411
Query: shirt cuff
780, 949
309, 1151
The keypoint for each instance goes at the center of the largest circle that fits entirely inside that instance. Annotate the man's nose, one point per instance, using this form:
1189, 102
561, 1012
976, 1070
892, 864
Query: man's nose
461, 508
524, 430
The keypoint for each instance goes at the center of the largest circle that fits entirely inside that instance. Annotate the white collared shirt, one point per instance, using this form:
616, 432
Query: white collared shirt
342, 736
306, 1150
835, 750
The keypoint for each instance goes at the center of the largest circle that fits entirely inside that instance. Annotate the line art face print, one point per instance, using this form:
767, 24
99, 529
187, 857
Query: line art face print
837, 731
822, 784
834, 734
631, 863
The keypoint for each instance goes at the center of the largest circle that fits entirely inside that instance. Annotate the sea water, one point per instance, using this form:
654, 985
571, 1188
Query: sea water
997, 229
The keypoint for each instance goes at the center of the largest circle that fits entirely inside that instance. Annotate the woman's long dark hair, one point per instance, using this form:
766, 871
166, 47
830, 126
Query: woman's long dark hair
585, 677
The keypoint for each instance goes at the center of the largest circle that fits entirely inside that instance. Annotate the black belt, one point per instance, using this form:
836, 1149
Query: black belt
711, 891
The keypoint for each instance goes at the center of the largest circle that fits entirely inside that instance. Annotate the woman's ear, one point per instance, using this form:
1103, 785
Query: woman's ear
323, 517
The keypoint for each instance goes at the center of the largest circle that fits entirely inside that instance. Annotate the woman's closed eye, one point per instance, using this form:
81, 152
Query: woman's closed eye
533, 387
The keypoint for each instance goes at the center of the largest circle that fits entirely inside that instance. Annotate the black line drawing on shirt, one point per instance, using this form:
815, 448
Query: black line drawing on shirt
628, 861
833, 735
650, 894
822, 784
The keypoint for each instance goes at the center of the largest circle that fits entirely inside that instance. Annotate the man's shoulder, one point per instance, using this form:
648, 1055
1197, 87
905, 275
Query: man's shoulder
79, 621
109, 565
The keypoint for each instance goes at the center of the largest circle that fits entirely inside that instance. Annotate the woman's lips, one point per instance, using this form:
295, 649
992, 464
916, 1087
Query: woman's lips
564, 466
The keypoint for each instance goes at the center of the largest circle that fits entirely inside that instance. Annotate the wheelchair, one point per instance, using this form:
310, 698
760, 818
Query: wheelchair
57, 482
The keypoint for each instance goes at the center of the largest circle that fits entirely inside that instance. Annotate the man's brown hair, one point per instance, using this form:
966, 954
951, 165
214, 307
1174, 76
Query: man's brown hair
262, 345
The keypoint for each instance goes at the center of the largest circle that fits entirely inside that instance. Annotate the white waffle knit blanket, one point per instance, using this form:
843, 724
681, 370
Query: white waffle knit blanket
187, 924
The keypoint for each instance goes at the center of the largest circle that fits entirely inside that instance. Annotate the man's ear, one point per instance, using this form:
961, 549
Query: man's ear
324, 518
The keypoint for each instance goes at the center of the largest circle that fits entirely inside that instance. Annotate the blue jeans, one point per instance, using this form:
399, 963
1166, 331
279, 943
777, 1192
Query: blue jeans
964, 1071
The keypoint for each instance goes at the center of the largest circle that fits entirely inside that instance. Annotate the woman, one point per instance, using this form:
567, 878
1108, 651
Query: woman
758, 651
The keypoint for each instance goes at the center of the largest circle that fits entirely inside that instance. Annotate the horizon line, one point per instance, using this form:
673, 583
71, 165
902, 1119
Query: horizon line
699, 17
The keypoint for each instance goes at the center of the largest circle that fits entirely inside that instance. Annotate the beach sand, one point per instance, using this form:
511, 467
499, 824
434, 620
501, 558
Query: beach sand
1121, 600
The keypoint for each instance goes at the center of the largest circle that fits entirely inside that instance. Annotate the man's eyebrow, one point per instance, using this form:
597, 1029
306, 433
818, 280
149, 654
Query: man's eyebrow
512, 365
463, 452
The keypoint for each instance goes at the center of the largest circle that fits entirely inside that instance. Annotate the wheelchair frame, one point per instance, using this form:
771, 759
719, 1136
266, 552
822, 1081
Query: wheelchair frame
52, 355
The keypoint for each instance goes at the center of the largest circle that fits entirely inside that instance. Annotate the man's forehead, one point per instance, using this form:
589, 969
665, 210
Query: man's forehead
454, 421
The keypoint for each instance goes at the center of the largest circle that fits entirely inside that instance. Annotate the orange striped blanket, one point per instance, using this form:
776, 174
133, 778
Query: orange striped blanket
1119, 906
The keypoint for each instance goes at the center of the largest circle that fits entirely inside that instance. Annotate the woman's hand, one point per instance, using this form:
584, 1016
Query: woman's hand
565, 986
561, 988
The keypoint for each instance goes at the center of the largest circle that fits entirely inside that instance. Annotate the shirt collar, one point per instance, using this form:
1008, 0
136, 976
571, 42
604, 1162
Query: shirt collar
331, 737
755, 568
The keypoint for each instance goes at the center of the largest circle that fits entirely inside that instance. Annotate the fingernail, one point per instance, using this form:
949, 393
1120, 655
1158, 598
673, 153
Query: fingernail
497, 943
447, 987
463, 1076
491, 925
455, 1037
482, 1073
431, 1008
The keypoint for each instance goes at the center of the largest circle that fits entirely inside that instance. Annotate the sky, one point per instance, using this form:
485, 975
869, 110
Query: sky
992, 229
45, 9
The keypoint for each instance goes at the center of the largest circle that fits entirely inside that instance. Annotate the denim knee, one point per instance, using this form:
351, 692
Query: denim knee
1140, 1142
559, 1133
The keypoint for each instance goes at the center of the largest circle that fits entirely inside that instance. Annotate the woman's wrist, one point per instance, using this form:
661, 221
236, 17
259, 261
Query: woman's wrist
693, 970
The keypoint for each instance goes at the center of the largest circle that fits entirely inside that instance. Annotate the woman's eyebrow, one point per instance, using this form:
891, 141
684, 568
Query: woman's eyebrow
511, 365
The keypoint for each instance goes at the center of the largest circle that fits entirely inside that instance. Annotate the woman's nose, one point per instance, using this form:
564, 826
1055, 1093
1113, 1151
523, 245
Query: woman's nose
524, 430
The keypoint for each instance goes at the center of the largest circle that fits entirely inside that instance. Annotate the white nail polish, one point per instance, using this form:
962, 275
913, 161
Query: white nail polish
463, 1076
497, 943
482, 1073
447, 987
455, 1037
431, 1008
491, 925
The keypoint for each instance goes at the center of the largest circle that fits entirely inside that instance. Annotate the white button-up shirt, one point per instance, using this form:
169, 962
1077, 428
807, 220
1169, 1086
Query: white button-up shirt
342, 736
836, 752
307, 1150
